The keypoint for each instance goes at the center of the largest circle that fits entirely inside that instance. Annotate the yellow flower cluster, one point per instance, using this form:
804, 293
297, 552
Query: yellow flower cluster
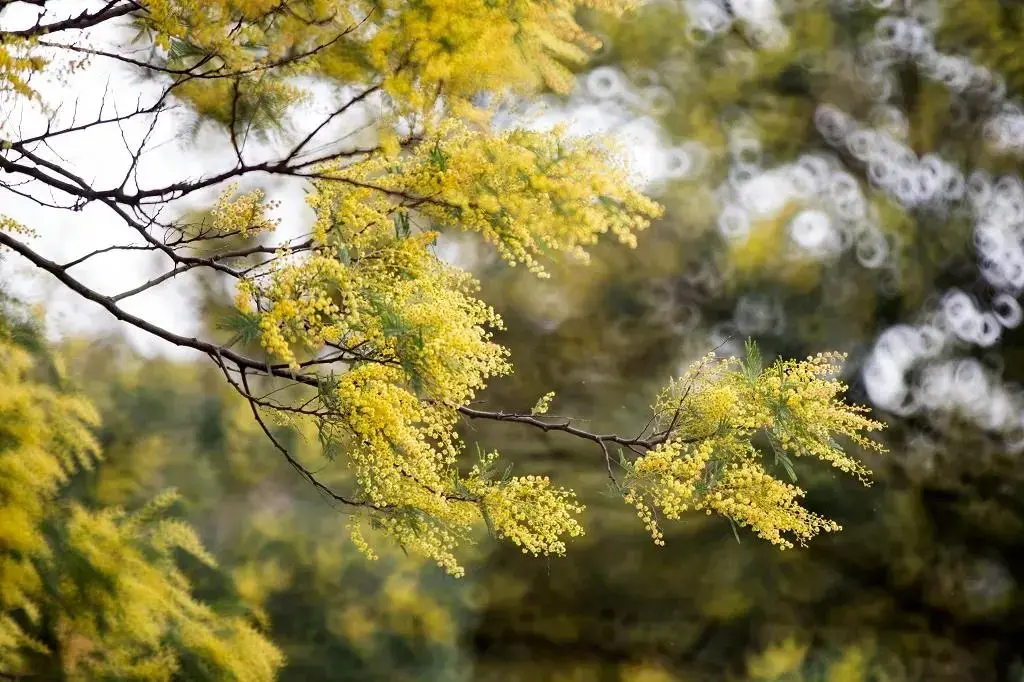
672, 471
403, 452
429, 536
373, 283
303, 305
244, 214
400, 444
813, 412
360, 543
9, 224
469, 46
422, 52
709, 463
147, 601
531, 513
253, 54
49, 436
543, 404
17, 65
752, 497
527, 193
232, 31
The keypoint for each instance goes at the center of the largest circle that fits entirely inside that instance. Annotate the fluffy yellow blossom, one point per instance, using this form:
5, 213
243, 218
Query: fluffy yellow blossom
415, 341
420, 53
709, 463
481, 45
11, 225
543, 404
17, 64
527, 193
531, 513
360, 542
244, 214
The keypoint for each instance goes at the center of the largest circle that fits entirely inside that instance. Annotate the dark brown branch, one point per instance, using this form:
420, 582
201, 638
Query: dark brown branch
137, 154
84, 20
79, 187
565, 426
298, 148
244, 363
149, 284
193, 263
205, 75
608, 465
306, 473
116, 247
252, 250
110, 305
156, 107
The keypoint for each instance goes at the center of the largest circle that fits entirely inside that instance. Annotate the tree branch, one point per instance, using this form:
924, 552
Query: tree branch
306, 473
109, 304
244, 364
566, 426
84, 20
116, 247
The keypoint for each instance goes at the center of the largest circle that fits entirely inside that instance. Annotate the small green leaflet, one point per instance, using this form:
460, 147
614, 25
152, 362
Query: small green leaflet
439, 158
754, 364
246, 326
735, 532
402, 226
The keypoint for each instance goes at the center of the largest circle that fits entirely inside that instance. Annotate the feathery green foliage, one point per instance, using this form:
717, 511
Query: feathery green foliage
96, 593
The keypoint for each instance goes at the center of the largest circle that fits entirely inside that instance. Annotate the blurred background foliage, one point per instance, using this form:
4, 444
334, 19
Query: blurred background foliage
838, 175
285, 552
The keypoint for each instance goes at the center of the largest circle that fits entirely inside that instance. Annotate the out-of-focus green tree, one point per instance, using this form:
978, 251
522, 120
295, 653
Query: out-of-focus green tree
96, 592
284, 550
